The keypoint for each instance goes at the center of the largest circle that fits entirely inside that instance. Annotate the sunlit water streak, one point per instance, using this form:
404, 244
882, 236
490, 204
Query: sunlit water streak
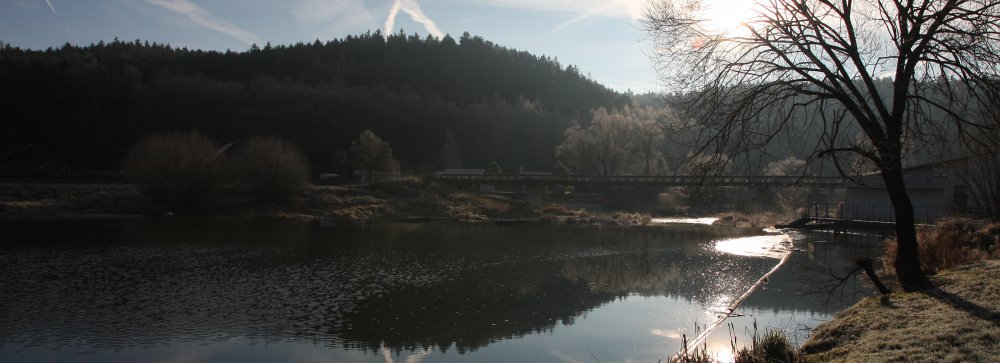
772, 246
708, 221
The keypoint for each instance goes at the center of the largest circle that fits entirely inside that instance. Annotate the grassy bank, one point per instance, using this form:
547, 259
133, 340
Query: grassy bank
42, 200
958, 321
403, 198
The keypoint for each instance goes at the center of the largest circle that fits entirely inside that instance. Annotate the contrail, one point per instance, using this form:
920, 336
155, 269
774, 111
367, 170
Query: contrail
206, 19
50, 6
587, 15
413, 9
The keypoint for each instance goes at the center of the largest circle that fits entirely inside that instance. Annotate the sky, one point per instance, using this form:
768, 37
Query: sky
601, 37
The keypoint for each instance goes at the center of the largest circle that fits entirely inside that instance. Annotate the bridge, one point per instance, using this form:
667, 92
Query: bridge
637, 180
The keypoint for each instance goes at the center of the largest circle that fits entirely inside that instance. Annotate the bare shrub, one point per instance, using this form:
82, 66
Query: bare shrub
951, 243
631, 219
560, 210
273, 169
181, 170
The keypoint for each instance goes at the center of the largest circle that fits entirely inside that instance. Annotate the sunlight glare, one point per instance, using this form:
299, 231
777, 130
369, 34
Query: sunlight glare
721, 352
727, 16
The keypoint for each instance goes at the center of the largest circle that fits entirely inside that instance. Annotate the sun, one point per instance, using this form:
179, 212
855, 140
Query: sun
727, 16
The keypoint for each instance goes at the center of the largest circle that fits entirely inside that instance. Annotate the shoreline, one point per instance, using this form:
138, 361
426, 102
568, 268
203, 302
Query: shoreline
405, 201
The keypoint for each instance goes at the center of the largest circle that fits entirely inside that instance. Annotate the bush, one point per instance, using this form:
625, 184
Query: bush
952, 242
273, 169
181, 170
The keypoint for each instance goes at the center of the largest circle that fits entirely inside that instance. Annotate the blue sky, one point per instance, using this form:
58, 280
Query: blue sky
601, 37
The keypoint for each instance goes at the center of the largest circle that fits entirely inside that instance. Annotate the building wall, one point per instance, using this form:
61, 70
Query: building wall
872, 203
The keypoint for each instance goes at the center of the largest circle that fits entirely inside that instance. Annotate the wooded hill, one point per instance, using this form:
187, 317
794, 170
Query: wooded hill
78, 109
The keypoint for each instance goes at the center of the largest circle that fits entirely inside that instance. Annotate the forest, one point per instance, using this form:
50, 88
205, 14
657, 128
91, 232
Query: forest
439, 102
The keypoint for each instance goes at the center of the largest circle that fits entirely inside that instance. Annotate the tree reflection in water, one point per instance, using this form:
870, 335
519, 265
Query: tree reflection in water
380, 287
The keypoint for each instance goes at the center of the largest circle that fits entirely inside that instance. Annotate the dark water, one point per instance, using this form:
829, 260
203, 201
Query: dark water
207, 290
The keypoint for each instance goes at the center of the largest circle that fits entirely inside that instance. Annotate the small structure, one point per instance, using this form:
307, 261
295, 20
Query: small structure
934, 189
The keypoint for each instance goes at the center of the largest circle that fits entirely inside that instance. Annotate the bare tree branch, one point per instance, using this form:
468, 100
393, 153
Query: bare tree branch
908, 74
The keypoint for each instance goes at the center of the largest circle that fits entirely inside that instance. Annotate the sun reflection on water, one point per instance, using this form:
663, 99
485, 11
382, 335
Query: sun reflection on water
706, 221
773, 246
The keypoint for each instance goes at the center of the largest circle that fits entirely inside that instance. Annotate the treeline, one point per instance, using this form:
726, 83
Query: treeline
438, 102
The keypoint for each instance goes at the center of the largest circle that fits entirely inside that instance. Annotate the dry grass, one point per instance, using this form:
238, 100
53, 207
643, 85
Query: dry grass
631, 218
952, 242
751, 220
771, 347
55, 200
959, 321
560, 210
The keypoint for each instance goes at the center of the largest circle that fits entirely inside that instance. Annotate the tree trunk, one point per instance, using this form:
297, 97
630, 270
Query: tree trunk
907, 264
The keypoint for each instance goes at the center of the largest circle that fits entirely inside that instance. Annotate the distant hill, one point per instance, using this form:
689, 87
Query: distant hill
81, 107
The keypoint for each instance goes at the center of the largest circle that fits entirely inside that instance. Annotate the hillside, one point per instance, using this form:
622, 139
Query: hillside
77, 109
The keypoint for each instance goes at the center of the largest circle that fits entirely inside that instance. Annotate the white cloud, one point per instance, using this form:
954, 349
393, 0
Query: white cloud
205, 18
413, 9
50, 6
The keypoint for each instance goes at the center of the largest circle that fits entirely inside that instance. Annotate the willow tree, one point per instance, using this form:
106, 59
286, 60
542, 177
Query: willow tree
902, 72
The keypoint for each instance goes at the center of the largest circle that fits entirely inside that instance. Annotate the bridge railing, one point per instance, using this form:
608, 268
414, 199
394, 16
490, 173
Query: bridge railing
866, 212
661, 180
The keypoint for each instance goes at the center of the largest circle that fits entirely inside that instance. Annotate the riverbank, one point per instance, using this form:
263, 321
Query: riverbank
60, 200
409, 199
957, 321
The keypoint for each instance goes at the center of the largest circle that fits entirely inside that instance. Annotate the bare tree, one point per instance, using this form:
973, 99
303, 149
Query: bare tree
370, 153
625, 140
600, 148
901, 71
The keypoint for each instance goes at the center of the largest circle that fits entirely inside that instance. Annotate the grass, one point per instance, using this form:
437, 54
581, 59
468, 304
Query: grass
53, 200
957, 321
771, 347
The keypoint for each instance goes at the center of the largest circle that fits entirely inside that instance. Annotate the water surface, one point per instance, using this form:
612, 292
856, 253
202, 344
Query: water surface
202, 289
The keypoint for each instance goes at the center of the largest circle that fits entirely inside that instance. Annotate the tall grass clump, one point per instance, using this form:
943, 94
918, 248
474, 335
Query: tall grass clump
772, 347
273, 169
951, 243
181, 170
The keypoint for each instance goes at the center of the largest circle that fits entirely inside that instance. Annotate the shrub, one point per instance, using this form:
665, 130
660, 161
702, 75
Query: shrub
182, 170
951, 243
273, 169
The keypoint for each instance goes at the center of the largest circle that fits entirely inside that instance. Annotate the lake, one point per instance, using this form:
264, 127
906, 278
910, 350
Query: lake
202, 289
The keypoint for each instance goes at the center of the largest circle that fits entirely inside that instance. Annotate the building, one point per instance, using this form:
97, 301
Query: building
935, 189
